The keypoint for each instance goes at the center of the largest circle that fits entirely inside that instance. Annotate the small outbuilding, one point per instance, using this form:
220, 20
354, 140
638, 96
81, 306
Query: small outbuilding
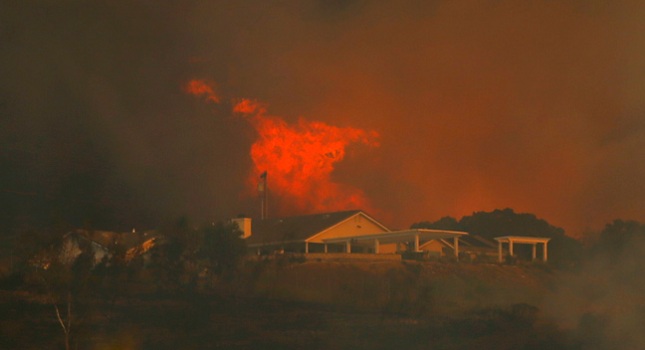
511, 240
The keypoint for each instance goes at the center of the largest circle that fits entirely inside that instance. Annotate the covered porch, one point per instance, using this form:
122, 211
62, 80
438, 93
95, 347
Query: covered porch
511, 240
374, 242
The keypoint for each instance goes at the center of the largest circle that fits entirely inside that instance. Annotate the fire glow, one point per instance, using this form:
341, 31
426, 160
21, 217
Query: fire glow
201, 88
299, 160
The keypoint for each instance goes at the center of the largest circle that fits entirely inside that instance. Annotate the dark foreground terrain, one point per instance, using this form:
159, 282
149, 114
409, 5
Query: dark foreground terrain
213, 323
319, 305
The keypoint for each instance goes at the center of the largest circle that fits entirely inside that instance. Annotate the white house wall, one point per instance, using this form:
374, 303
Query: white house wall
71, 250
357, 225
434, 246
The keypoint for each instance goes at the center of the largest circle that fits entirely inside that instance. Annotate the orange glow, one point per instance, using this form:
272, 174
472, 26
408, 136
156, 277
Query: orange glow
299, 160
246, 106
201, 88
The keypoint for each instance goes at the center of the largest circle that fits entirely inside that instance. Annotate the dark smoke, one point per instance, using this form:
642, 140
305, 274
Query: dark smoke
537, 106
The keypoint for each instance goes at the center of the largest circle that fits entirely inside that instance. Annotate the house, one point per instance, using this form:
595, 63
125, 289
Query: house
135, 243
69, 248
351, 231
73, 243
307, 233
101, 244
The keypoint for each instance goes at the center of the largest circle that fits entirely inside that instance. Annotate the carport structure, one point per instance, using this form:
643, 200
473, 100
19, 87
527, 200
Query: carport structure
417, 236
510, 240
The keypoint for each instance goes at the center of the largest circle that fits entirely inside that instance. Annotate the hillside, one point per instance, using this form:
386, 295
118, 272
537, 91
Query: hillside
403, 287
289, 303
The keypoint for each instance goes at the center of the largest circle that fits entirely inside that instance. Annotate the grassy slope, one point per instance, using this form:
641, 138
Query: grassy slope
319, 305
414, 288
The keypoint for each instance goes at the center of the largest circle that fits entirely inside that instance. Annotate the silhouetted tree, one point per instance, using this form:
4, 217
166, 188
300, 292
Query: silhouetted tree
445, 223
61, 266
620, 248
620, 237
113, 274
223, 247
175, 249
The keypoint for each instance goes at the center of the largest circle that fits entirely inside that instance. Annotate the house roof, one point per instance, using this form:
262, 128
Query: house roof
297, 228
141, 249
108, 238
477, 241
82, 235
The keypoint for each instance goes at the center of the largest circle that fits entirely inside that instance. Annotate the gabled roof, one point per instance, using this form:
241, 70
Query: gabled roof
108, 238
105, 238
82, 235
298, 228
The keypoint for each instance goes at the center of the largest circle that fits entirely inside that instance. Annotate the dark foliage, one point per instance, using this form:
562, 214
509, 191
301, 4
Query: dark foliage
620, 237
563, 250
223, 247
621, 246
445, 223
172, 251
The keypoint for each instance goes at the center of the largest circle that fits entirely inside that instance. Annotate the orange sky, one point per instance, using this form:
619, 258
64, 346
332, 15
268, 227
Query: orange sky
534, 105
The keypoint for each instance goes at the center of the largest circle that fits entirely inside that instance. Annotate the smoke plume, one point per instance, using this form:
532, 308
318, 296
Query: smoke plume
536, 106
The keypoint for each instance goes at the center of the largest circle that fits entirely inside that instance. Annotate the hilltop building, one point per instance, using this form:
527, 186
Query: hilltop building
338, 232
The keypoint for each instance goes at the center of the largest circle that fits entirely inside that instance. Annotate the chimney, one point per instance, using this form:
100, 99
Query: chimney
244, 224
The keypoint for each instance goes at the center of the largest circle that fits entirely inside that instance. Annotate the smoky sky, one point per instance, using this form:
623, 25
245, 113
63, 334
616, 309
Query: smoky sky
534, 105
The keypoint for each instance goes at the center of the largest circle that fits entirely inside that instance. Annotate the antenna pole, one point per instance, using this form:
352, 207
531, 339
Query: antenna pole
264, 196
266, 199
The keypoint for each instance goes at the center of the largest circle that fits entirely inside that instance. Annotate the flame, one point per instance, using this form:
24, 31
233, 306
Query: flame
201, 88
300, 158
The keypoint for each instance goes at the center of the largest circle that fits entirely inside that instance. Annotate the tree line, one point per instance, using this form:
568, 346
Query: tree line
66, 268
617, 240
187, 260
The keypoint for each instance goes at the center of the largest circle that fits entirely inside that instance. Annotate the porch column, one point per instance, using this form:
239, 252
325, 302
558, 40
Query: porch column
348, 246
510, 247
456, 244
416, 243
499, 251
376, 246
544, 254
306, 247
534, 251
325, 247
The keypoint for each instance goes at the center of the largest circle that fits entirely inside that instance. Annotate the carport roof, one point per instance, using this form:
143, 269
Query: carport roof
522, 239
400, 236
